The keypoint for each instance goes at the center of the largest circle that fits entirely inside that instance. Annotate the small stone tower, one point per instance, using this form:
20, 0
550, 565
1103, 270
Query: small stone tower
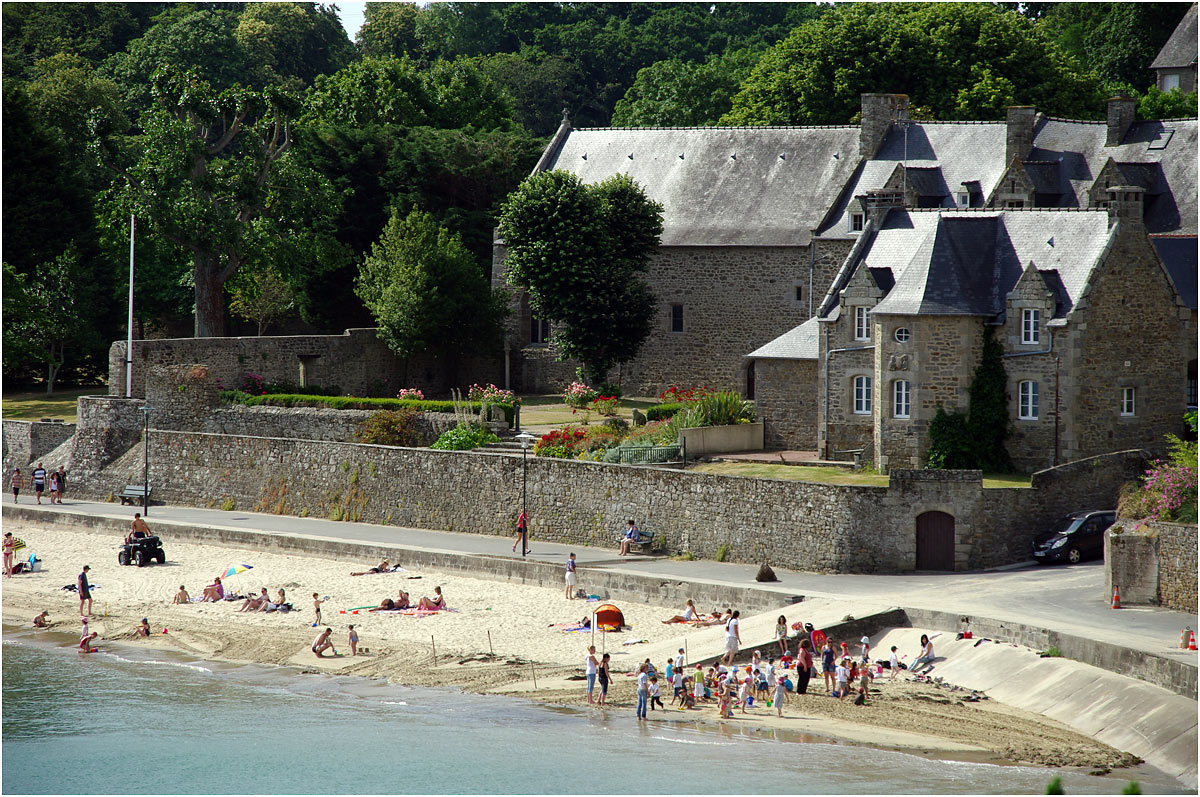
1018, 141
1120, 118
878, 113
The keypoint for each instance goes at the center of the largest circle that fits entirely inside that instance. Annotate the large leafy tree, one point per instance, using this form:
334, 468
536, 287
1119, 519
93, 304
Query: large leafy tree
213, 174
425, 290
678, 93
961, 60
578, 250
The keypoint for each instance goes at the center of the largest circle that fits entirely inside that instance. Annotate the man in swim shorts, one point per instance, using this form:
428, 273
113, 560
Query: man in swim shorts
85, 592
322, 643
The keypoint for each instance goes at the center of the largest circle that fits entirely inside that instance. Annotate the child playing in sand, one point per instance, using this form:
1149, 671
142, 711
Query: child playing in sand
780, 696
85, 640
317, 601
843, 678
353, 642
42, 620
866, 649
144, 629
744, 698
725, 707
181, 596
654, 696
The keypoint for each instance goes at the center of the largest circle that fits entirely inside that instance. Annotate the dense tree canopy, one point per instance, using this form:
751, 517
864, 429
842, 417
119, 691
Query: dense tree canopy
961, 60
579, 250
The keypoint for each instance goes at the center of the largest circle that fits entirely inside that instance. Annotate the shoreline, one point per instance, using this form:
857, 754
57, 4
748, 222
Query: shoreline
899, 717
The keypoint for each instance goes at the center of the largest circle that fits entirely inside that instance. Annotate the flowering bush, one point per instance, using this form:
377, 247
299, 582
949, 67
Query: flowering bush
463, 437
561, 443
1169, 488
253, 384
410, 393
492, 395
605, 405
676, 394
578, 395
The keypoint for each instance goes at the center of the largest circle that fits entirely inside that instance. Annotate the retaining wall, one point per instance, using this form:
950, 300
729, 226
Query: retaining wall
1153, 562
26, 441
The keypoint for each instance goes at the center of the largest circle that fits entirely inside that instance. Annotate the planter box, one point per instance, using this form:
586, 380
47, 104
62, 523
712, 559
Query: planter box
704, 440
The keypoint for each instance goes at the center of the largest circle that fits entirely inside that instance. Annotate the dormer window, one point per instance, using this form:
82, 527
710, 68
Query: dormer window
964, 199
857, 221
862, 326
1031, 333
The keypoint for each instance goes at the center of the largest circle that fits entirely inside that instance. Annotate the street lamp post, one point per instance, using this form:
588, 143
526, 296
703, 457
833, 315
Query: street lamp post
525, 439
146, 464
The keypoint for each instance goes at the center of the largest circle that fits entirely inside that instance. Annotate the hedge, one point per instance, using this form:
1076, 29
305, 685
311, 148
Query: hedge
353, 403
661, 411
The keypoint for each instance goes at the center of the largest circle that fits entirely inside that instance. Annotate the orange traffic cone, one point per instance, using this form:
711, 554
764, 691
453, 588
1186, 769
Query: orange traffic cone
1183, 638
1191, 640
1116, 598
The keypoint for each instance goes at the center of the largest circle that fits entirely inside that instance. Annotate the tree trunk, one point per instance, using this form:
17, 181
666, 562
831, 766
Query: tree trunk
210, 298
52, 366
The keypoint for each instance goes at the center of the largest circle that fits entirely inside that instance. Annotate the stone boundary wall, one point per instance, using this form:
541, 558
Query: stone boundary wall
26, 441
1153, 562
796, 525
354, 361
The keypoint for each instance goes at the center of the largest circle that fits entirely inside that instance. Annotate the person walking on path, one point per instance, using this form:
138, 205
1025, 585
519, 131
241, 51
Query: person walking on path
62, 483
39, 481
17, 483
522, 534
85, 592
643, 691
591, 667
570, 577
54, 487
733, 638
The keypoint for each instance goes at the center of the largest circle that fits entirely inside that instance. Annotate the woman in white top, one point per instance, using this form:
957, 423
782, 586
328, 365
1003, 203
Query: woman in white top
591, 667
689, 614
926, 656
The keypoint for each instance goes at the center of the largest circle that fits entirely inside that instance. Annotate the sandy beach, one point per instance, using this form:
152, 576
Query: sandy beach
498, 638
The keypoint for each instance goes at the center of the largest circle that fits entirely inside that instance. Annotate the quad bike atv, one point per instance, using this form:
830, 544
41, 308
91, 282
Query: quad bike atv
142, 552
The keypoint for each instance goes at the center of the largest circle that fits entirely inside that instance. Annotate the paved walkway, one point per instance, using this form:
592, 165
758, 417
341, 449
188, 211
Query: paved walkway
1068, 599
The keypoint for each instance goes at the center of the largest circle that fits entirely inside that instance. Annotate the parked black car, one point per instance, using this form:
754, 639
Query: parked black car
142, 552
1078, 536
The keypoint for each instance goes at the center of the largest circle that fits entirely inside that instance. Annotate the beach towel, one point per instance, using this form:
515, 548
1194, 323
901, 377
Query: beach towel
635, 642
411, 612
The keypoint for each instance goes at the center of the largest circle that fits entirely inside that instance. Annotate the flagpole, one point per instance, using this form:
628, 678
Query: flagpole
129, 323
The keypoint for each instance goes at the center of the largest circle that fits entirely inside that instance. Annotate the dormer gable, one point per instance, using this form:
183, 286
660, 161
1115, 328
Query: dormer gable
1014, 189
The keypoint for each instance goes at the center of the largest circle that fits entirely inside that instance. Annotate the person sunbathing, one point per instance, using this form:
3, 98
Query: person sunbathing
382, 567
278, 605
435, 603
213, 592
182, 596
391, 604
255, 603
689, 614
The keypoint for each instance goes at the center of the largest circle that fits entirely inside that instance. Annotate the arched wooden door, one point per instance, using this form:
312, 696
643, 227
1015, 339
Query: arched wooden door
935, 541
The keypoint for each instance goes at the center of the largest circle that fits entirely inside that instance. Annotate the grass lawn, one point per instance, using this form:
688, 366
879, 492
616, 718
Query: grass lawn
829, 475
35, 406
544, 410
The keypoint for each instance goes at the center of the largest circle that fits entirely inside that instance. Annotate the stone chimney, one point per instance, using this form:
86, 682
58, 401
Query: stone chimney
1018, 141
878, 113
1125, 205
1121, 109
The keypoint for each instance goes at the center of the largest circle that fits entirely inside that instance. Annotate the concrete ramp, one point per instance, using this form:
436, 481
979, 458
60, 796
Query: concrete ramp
1148, 721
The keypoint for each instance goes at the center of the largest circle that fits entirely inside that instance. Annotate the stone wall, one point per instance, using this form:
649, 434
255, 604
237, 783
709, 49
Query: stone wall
27, 441
791, 524
1153, 562
108, 428
357, 361
734, 300
785, 400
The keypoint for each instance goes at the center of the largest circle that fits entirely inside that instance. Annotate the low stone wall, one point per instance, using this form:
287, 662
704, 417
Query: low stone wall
704, 440
797, 525
26, 441
1153, 562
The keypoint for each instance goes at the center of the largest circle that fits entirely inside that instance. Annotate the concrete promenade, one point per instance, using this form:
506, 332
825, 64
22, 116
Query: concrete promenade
1066, 599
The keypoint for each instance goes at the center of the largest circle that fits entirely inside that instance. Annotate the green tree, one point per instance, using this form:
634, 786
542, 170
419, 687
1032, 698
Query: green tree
678, 93
93, 31
959, 59
261, 296
212, 174
291, 43
1173, 104
425, 290
389, 29
579, 250
1118, 41
987, 420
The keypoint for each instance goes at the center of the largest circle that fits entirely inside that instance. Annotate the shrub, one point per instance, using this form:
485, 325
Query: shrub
722, 409
605, 405
722, 553
463, 437
253, 384
391, 428
410, 393
492, 395
949, 442
676, 395
560, 443
609, 389
660, 411
617, 426
351, 403
578, 395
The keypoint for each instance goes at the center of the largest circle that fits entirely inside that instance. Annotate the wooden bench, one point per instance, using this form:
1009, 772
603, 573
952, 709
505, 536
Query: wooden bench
135, 494
857, 453
644, 542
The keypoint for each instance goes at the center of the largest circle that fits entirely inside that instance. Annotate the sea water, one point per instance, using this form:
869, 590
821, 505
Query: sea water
136, 721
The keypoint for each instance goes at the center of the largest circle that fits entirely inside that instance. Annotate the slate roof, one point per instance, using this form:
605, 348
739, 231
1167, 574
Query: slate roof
776, 189
795, 344
965, 263
1180, 49
1179, 255
1079, 149
947, 154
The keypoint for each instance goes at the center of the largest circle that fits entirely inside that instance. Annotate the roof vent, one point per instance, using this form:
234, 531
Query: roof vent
631, 156
681, 156
584, 156
1051, 241
837, 155
782, 156
733, 157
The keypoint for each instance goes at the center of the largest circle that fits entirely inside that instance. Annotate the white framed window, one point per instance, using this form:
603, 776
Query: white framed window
1031, 326
901, 396
857, 221
902, 334
1128, 401
964, 199
1027, 406
862, 325
1170, 81
862, 395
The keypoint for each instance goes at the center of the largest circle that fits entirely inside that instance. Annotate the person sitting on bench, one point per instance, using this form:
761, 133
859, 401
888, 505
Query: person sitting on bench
632, 535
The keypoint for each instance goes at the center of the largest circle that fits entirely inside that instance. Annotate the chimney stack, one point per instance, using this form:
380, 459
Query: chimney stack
1018, 142
1125, 205
878, 113
1121, 110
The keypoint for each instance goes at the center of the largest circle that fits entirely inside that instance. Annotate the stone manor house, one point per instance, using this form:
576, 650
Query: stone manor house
843, 276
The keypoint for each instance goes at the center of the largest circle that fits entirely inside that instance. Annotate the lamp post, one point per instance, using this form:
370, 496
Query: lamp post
146, 464
525, 439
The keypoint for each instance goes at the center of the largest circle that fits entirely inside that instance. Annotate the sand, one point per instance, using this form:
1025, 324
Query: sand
902, 714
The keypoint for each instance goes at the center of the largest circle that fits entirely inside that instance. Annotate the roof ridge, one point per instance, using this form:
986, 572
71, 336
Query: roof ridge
1008, 210
720, 127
